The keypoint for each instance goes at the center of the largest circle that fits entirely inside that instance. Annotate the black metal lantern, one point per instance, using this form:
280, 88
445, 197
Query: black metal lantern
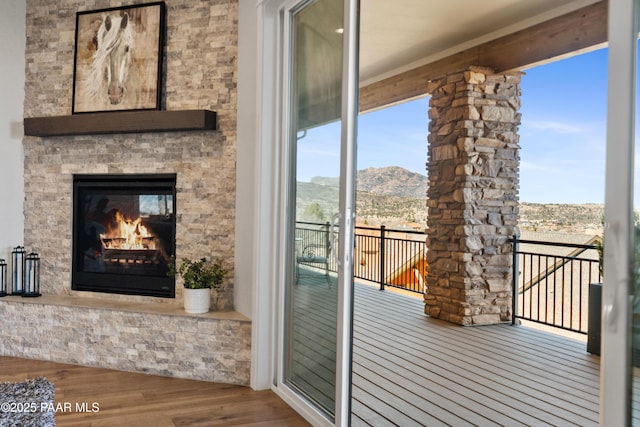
3, 278
32, 276
17, 270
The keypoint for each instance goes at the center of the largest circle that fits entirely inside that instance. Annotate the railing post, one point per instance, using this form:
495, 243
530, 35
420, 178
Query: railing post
382, 257
516, 279
327, 246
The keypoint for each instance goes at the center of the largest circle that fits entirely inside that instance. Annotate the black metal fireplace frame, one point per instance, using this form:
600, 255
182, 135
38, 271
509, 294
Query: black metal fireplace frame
127, 284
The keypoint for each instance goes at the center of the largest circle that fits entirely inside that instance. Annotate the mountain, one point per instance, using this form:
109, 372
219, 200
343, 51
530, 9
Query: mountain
389, 181
392, 181
395, 196
390, 195
324, 180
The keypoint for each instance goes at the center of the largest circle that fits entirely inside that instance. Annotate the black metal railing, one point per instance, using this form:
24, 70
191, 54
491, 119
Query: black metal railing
390, 258
314, 241
551, 282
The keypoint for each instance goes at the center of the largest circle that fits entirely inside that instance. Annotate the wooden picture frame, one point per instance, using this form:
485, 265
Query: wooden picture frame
118, 58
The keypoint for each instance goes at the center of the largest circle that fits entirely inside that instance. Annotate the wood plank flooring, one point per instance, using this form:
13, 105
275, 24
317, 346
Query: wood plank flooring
412, 370
313, 340
130, 399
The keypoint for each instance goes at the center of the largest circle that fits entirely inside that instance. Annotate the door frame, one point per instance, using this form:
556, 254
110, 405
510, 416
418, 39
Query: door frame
270, 254
615, 362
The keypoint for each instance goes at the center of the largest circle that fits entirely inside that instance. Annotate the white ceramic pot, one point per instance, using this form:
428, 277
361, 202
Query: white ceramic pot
197, 300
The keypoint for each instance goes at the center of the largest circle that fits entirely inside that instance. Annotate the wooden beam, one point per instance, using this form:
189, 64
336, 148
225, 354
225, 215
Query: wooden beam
580, 30
121, 122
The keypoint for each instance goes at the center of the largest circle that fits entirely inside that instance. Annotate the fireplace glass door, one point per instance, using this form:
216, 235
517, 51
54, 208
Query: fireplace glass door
124, 234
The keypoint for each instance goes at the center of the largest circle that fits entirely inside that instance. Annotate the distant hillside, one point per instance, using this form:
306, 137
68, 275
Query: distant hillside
396, 197
390, 181
325, 180
390, 195
374, 209
584, 218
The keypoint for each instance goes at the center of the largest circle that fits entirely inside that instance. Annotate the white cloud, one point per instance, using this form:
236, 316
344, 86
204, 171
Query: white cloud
548, 125
531, 167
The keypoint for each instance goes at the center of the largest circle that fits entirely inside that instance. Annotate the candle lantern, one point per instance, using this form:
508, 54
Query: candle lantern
32, 276
17, 270
3, 278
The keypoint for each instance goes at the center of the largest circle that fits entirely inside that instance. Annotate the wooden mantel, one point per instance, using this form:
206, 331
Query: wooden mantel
121, 122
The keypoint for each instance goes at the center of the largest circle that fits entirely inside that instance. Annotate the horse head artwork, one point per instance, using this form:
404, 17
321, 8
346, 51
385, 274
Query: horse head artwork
109, 73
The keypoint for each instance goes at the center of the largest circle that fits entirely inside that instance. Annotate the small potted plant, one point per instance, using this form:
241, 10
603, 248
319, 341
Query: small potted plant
198, 278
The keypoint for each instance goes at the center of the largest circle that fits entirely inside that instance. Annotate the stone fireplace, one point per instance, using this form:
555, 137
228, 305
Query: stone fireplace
204, 193
199, 73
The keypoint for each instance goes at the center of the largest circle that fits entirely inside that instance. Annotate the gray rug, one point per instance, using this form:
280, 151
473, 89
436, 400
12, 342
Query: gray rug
29, 403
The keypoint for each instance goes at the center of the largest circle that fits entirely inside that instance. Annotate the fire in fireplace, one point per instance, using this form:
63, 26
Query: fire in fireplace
124, 234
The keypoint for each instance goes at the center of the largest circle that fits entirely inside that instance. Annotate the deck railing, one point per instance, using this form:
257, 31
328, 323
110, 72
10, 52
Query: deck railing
551, 282
390, 258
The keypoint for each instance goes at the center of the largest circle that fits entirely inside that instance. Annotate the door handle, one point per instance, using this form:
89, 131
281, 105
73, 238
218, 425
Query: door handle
332, 243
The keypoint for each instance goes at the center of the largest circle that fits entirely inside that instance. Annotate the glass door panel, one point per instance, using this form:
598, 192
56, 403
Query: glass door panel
618, 372
313, 320
634, 341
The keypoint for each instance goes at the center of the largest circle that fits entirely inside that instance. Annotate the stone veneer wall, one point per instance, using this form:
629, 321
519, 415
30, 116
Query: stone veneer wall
200, 73
472, 196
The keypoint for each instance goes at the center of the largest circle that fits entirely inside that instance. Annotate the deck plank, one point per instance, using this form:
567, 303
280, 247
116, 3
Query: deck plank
410, 370
434, 387
467, 371
495, 372
496, 358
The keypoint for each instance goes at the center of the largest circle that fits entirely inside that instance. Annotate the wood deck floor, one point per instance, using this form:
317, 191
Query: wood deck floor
409, 369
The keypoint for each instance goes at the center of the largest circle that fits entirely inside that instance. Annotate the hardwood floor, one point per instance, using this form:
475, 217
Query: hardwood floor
130, 399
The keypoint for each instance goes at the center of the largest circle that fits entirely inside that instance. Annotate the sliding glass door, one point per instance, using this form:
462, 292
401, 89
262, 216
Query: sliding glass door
319, 112
620, 322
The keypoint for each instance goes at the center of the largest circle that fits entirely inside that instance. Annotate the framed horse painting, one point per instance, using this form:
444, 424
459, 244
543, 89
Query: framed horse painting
118, 59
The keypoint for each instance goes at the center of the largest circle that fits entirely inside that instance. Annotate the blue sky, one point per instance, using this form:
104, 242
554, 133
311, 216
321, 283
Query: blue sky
562, 134
563, 130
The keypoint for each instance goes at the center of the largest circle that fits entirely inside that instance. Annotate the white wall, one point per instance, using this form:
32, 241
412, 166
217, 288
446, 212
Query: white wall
252, 295
12, 66
246, 204
256, 182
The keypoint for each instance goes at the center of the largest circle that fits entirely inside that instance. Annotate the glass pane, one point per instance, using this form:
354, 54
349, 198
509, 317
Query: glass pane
635, 306
311, 314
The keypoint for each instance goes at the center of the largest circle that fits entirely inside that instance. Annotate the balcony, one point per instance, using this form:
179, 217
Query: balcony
409, 369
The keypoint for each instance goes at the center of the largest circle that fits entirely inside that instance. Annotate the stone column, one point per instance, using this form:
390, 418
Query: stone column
473, 195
